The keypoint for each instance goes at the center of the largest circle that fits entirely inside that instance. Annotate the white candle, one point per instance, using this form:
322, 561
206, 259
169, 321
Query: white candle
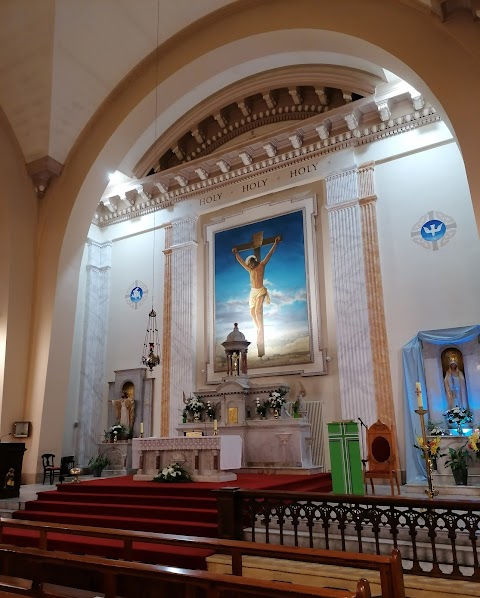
215, 425
141, 427
418, 390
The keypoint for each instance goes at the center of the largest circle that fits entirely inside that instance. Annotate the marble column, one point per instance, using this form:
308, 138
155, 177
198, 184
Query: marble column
364, 370
179, 325
92, 373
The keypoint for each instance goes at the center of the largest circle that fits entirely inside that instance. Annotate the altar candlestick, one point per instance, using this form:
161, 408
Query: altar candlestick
215, 425
418, 390
141, 427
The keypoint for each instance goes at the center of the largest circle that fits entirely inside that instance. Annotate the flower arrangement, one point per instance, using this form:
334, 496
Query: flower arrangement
261, 408
435, 429
276, 399
473, 443
195, 405
115, 432
173, 473
432, 447
296, 406
210, 411
458, 415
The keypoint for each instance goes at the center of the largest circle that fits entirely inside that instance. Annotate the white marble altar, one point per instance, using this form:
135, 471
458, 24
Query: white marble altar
206, 458
270, 444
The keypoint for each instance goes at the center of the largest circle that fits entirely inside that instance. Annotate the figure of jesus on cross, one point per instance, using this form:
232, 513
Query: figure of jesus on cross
256, 268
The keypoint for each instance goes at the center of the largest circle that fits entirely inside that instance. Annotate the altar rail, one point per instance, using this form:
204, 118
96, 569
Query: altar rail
30, 572
436, 537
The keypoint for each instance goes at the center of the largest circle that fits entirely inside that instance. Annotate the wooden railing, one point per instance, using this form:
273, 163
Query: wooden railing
437, 537
388, 566
56, 573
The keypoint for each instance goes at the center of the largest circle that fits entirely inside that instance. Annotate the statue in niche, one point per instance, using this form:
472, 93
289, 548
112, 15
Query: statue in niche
454, 380
125, 411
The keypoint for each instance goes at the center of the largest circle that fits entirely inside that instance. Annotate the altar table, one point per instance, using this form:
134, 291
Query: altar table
206, 458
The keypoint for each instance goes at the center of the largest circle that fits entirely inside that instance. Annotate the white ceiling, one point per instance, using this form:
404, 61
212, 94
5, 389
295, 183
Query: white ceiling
59, 59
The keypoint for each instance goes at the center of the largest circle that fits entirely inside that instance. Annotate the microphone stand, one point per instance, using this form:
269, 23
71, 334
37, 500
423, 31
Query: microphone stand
362, 439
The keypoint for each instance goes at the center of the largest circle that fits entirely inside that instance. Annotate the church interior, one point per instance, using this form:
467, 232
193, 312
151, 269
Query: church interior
250, 226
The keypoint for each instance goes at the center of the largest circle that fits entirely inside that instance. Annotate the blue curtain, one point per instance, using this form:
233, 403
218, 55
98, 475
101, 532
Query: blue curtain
413, 372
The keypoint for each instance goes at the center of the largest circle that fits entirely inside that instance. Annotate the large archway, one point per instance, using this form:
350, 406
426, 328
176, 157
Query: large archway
230, 43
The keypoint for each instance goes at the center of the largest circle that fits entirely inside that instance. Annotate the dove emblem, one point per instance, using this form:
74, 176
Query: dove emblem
433, 230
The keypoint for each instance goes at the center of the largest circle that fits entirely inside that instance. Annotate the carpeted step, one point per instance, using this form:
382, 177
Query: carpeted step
119, 511
178, 501
143, 488
313, 483
183, 528
157, 554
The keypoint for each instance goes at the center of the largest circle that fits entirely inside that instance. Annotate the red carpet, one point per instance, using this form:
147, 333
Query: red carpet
121, 503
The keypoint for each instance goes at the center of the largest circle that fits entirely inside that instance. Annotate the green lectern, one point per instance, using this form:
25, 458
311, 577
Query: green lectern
345, 458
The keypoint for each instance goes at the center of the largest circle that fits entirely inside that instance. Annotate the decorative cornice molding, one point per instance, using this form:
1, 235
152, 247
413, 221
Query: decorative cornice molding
262, 164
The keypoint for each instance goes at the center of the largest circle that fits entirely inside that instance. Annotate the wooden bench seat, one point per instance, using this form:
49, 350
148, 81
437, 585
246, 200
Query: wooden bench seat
57, 573
389, 567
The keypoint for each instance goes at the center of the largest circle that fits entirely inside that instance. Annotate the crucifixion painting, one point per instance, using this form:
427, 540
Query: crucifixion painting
255, 266
272, 252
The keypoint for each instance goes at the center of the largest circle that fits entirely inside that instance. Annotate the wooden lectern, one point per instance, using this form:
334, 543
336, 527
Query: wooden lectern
11, 460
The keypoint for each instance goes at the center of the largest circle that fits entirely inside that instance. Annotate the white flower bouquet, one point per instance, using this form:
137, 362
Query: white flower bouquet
276, 399
194, 405
173, 473
458, 415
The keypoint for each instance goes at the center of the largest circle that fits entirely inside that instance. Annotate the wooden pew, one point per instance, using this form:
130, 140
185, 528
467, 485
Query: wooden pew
389, 567
53, 573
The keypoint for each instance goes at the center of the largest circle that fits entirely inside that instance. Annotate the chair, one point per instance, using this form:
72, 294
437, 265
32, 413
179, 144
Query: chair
381, 458
49, 468
66, 464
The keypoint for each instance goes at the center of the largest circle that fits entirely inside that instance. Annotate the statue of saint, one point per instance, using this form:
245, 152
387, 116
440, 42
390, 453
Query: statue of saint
125, 411
455, 386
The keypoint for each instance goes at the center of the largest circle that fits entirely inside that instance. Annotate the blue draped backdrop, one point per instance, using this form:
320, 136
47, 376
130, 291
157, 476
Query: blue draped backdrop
413, 372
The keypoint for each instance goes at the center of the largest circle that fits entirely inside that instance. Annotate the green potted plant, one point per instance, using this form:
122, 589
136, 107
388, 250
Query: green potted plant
97, 465
457, 460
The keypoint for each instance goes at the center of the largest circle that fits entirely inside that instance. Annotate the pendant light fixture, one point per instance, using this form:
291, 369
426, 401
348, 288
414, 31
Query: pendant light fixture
151, 344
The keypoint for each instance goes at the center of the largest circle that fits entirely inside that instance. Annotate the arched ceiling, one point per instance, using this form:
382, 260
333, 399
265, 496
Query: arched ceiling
61, 59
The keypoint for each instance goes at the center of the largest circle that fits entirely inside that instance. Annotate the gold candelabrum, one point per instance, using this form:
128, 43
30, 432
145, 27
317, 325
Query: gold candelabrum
430, 491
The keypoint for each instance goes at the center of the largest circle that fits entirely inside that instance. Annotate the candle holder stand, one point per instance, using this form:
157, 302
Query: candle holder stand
431, 492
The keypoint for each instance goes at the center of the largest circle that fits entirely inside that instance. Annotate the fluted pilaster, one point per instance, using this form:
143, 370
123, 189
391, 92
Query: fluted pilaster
350, 297
178, 349
374, 288
92, 378
364, 365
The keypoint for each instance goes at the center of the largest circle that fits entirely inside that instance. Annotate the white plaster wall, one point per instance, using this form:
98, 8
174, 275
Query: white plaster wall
425, 289
132, 259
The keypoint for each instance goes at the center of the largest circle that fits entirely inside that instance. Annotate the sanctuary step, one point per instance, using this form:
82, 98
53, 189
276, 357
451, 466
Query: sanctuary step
122, 503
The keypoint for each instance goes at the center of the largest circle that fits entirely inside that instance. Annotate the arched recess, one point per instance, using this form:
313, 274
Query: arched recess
215, 49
